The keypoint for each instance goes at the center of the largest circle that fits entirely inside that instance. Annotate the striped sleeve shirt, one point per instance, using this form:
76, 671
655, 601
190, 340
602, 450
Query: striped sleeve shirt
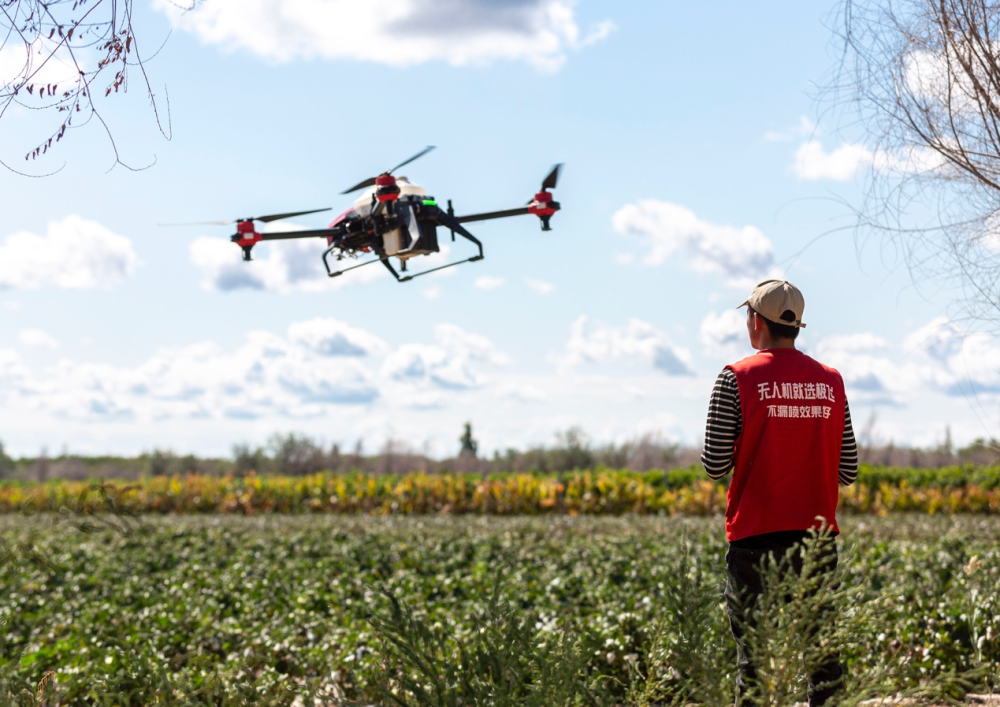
725, 421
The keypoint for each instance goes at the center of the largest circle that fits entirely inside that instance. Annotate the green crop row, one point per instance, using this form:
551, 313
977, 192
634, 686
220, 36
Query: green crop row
280, 610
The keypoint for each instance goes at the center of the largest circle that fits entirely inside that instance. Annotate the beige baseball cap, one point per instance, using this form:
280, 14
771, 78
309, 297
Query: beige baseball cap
771, 298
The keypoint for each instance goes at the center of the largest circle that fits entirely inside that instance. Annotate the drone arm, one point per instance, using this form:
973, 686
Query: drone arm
455, 224
492, 215
318, 233
246, 237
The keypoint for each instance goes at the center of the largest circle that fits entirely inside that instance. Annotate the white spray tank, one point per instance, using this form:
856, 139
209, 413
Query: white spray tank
392, 241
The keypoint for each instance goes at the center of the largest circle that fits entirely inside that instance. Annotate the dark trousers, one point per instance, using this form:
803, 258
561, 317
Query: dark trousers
744, 586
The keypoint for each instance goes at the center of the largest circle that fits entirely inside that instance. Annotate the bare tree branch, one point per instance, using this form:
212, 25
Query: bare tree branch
68, 50
924, 79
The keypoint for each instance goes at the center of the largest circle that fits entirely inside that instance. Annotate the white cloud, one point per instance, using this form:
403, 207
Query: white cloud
940, 339
338, 382
330, 337
488, 282
813, 162
805, 128
724, 335
967, 361
11, 305
539, 286
912, 160
294, 265
393, 32
850, 343
743, 256
14, 375
933, 79
44, 63
432, 292
284, 266
37, 337
521, 392
601, 343
75, 254
938, 357
319, 365
455, 362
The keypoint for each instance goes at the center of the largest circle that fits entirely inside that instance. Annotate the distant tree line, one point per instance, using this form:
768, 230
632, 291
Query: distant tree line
298, 454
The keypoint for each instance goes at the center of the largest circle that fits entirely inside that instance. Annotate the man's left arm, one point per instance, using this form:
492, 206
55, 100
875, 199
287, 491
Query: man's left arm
848, 451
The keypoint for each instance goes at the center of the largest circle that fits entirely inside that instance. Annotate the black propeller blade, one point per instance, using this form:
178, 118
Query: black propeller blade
371, 180
360, 185
262, 219
198, 223
550, 181
278, 217
415, 157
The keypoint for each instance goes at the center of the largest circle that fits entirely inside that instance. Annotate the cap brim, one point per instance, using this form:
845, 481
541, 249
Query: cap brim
743, 305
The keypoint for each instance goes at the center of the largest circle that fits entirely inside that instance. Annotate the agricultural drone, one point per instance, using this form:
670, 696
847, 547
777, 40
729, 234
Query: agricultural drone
393, 218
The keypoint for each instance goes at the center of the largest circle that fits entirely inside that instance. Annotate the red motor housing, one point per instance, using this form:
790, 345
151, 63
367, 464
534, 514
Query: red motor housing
543, 207
386, 188
246, 237
542, 204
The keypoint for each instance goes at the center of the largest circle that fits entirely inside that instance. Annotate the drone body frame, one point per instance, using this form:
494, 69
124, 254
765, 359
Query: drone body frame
393, 218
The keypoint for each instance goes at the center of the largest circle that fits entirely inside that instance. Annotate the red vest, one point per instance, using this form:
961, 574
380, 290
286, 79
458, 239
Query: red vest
787, 456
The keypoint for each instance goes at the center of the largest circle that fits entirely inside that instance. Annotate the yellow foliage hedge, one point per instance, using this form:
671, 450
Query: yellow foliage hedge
602, 491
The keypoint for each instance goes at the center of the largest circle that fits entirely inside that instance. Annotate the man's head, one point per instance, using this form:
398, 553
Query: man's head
774, 307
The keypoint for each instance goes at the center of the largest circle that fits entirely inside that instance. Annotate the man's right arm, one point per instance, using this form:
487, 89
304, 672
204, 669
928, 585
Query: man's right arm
722, 426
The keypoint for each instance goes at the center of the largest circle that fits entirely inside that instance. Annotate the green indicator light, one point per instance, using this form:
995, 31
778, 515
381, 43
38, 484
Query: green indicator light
430, 202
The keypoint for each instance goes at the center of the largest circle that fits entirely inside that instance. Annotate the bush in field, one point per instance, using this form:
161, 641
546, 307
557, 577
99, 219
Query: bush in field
689, 657
503, 663
248, 460
572, 450
6, 463
297, 455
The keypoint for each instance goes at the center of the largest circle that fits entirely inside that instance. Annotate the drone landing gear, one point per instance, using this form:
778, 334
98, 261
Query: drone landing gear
333, 273
407, 278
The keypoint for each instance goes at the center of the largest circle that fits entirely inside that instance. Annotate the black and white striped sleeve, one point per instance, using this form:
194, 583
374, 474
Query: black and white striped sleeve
722, 426
848, 451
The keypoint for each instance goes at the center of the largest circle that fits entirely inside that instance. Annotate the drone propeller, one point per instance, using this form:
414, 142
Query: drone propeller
262, 219
371, 180
550, 181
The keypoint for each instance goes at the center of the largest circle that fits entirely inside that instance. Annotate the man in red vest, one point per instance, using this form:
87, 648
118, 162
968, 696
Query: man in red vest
780, 421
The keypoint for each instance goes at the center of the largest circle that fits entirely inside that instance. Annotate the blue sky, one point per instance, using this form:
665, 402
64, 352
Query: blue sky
698, 161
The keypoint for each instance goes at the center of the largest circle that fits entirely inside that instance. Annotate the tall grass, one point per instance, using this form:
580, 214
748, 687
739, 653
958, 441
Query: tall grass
503, 663
801, 619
